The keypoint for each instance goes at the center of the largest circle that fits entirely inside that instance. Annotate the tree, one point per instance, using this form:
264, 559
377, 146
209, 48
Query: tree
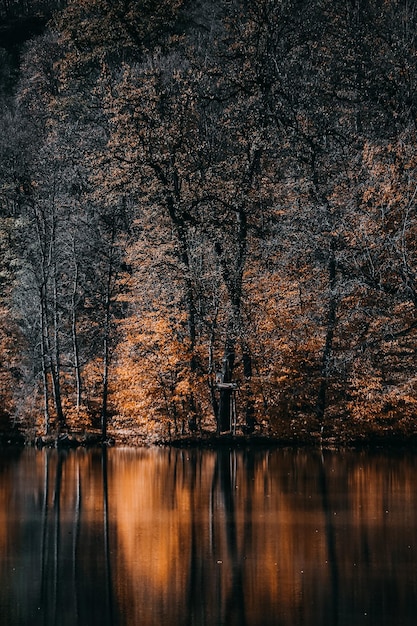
220, 197
114, 29
71, 264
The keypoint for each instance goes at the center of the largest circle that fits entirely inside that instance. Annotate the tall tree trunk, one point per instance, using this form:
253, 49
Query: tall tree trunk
74, 337
249, 402
106, 336
46, 415
105, 393
328, 343
233, 279
178, 222
48, 365
224, 417
50, 358
211, 365
106, 354
56, 363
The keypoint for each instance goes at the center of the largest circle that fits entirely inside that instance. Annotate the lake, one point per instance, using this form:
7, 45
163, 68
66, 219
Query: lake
200, 537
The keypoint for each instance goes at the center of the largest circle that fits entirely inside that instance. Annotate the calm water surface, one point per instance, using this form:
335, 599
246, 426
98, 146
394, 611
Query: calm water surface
171, 537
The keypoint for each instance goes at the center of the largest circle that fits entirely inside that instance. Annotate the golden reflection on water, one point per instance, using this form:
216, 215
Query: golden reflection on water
178, 537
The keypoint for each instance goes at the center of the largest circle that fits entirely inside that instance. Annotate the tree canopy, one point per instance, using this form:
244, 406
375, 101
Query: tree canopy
209, 206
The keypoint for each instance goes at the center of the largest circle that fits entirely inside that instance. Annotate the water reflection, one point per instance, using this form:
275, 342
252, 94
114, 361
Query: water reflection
201, 537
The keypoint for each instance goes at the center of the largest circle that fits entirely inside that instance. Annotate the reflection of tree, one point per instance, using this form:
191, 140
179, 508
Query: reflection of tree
107, 560
57, 536
226, 597
74, 564
209, 537
195, 583
43, 552
225, 474
330, 539
50, 543
76, 537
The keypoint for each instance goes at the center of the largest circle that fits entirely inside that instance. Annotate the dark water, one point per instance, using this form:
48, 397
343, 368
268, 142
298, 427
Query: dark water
168, 537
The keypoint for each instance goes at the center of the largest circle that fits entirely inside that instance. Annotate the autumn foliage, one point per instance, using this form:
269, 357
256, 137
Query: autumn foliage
211, 203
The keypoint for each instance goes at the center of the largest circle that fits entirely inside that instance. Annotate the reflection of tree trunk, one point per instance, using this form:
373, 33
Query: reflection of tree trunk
76, 536
196, 577
44, 540
217, 616
225, 459
107, 559
235, 602
57, 536
249, 468
330, 541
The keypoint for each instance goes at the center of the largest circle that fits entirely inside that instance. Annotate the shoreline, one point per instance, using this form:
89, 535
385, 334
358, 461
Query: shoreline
213, 441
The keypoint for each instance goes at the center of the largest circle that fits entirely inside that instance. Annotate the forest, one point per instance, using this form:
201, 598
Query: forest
208, 218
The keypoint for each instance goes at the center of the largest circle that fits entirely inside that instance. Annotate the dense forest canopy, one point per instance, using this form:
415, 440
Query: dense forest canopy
208, 204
